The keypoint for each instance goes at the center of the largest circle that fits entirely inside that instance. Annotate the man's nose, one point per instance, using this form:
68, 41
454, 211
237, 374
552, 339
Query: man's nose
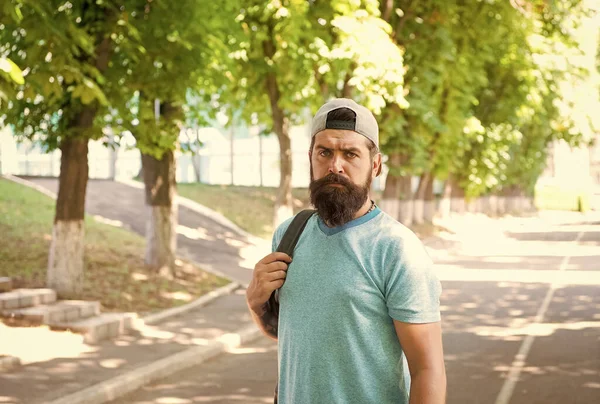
335, 165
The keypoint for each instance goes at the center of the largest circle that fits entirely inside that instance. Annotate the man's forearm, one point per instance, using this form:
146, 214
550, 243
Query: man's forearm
428, 387
267, 322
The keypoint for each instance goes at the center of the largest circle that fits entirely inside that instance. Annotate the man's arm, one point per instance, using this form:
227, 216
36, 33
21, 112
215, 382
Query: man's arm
266, 321
422, 345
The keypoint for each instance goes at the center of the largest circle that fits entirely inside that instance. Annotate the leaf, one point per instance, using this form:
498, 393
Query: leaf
13, 70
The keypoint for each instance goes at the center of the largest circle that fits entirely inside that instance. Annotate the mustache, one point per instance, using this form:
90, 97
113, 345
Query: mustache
332, 179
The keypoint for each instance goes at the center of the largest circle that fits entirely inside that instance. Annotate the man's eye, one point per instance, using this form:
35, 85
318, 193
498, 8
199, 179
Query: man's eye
324, 153
351, 155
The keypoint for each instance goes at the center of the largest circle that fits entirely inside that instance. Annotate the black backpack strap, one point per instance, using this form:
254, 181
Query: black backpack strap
287, 245
292, 234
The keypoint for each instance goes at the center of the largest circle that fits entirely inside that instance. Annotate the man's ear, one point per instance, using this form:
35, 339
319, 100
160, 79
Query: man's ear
377, 165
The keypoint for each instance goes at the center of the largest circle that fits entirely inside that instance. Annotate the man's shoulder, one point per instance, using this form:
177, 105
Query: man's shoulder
398, 240
282, 228
396, 231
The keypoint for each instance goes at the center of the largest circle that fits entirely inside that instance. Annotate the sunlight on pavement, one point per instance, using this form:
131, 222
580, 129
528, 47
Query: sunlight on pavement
231, 398
110, 222
243, 351
457, 273
194, 234
113, 363
536, 329
251, 254
24, 343
173, 400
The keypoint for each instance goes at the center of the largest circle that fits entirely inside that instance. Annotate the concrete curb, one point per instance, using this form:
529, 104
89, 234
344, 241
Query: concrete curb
201, 301
9, 362
29, 184
199, 208
126, 383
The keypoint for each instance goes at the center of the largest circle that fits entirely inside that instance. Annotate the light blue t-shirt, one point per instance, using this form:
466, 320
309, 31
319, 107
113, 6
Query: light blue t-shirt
336, 337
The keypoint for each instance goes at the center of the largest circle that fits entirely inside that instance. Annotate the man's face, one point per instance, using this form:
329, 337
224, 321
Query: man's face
341, 170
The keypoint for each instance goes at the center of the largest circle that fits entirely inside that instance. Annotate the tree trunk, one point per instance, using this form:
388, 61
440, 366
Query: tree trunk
429, 202
65, 262
65, 272
196, 162
283, 204
232, 152
457, 195
419, 200
347, 88
161, 225
260, 160
391, 196
512, 195
390, 202
445, 203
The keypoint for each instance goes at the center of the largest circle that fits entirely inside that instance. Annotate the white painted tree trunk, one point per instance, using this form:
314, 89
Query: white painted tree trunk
113, 163
418, 211
501, 205
511, 204
405, 214
391, 207
65, 261
493, 205
282, 213
445, 207
161, 236
458, 205
429, 210
473, 206
484, 204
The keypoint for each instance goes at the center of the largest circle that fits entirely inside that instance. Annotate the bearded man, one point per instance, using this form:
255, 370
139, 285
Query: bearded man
359, 315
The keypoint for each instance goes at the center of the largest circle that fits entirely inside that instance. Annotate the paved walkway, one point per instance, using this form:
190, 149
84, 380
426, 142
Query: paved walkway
207, 242
509, 336
85, 366
520, 310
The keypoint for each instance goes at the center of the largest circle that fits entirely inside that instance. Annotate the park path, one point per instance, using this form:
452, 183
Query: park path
521, 313
521, 320
209, 243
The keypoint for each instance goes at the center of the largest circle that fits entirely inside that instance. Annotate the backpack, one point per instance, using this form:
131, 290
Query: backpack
287, 245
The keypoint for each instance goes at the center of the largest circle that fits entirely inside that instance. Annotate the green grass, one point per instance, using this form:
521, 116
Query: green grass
251, 208
114, 258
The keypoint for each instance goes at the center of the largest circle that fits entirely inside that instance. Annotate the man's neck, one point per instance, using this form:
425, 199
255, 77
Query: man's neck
364, 209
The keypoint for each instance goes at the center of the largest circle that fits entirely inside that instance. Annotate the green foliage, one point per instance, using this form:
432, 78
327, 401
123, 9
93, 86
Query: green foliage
64, 49
181, 55
529, 102
485, 86
315, 50
476, 89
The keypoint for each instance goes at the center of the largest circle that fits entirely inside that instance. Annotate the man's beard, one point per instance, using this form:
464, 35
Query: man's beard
337, 205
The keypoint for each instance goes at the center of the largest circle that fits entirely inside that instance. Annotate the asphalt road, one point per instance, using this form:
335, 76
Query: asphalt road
521, 321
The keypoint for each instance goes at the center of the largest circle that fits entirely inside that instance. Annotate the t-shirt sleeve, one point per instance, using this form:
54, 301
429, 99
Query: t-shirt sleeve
412, 289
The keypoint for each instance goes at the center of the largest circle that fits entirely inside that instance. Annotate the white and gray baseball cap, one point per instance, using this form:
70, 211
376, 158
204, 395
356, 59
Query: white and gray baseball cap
364, 124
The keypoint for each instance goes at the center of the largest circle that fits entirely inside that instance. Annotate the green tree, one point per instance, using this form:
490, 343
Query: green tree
529, 103
168, 86
294, 55
65, 51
